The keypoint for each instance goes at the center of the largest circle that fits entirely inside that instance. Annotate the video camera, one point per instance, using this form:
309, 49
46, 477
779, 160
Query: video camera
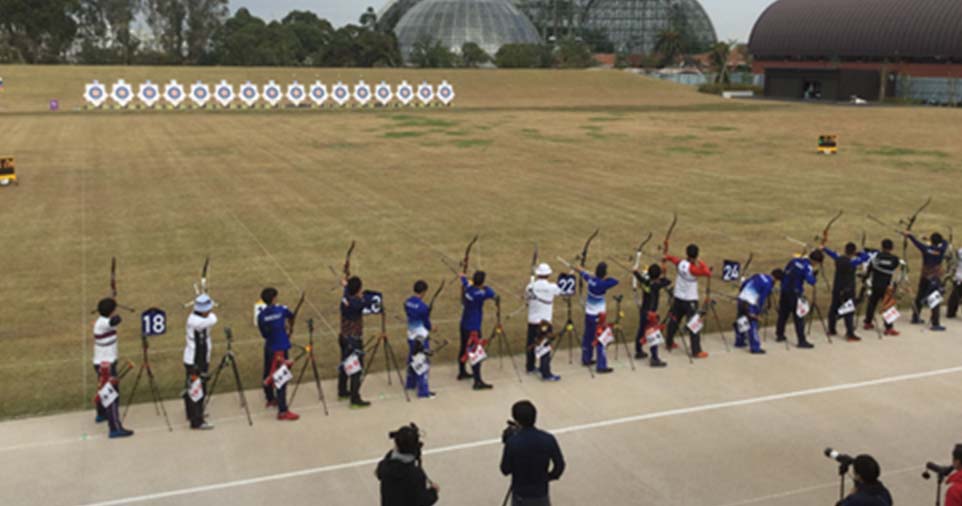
940, 471
842, 458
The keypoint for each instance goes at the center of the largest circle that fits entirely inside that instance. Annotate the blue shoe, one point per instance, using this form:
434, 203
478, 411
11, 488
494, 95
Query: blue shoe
937, 328
119, 433
552, 378
100, 419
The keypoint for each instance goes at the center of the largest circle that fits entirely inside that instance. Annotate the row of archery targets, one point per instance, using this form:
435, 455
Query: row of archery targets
250, 95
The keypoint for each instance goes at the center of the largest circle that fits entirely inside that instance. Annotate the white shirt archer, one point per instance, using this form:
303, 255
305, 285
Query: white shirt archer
540, 295
198, 329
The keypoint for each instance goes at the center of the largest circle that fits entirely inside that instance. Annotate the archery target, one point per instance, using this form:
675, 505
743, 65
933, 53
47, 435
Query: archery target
174, 93
362, 93
122, 93
405, 93
295, 93
341, 93
95, 93
224, 93
200, 93
148, 93
383, 94
446, 92
272, 93
318, 93
425, 93
249, 94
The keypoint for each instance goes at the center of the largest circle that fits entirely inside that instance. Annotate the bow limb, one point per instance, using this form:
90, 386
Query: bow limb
584, 258
347, 260
113, 277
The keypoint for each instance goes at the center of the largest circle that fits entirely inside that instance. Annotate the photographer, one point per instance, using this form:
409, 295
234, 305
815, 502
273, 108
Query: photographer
869, 491
403, 482
527, 454
953, 494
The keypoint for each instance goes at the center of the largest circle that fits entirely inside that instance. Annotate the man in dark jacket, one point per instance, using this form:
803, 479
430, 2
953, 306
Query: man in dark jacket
869, 491
527, 454
403, 482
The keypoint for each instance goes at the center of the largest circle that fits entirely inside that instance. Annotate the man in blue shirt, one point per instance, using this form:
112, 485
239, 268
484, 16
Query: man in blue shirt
272, 322
475, 293
595, 309
526, 457
351, 342
843, 290
930, 281
419, 339
752, 297
798, 272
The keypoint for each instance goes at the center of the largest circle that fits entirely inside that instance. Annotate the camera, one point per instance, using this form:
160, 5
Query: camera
509, 431
940, 471
841, 458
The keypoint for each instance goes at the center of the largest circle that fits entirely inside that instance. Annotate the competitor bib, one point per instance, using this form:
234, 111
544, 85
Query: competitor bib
934, 299
351, 365
802, 308
477, 356
542, 349
419, 364
281, 376
654, 337
607, 337
743, 324
196, 390
695, 324
847, 308
891, 315
108, 394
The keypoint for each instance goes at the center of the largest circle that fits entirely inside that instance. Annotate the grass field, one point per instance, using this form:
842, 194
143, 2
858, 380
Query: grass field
529, 156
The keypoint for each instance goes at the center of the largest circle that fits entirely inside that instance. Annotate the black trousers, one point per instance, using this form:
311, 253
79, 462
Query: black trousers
195, 410
112, 413
465, 334
268, 361
350, 386
954, 299
840, 297
927, 287
787, 303
529, 359
683, 309
873, 302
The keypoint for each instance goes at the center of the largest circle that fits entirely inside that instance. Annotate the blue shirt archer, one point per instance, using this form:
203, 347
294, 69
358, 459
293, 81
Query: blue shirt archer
798, 272
597, 288
755, 291
932, 256
272, 322
419, 316
473, 303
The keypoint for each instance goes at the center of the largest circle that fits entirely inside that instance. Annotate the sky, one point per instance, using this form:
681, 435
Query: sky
733, 19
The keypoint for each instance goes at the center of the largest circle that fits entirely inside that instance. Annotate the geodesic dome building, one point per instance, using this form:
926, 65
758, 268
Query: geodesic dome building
488, 23
633, 26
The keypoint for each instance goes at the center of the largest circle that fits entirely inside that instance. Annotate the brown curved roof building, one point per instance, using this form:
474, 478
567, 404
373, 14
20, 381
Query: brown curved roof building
833, 49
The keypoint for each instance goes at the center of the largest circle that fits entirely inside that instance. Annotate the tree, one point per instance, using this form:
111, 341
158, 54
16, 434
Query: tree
429, 53
39, 31
670, 46
718, 57
185, 29
166, 19
472, 56
312, 33
368, 20
573, 53
353, 46
523, 56
105, 30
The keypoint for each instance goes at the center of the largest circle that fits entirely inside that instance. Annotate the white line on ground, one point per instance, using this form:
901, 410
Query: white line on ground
797, 491
565, 430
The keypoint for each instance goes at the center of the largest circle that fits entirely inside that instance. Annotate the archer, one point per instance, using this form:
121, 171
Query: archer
843, 288
798, 272
107, 399
540, 295
652, 282
685, 306
595, 312
753, 295
472, 345
273, 323
419, 340
930, 281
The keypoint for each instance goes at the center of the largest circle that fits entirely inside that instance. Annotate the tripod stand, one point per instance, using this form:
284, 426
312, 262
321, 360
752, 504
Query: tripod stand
619, 332
154, 391
308, 351
569, 333
229, 360
817, 312
390, 359
503, 343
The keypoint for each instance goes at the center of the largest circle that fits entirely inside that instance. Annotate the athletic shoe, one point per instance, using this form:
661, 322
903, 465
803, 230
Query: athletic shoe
780, 339
100, 419
552, 378
119, 433
464, 376
606, 370
482, 386
702, 354
832, 333
203, 426
917, 321
806, 345
360, 404
271, 404
658, 363
937, 328
430, 395
868, 326
288, 416
740, 345
853, 338
758, 352
533, 371
892, 332
641, 356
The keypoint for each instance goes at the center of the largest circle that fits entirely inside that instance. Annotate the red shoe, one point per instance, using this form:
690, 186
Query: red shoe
674, 346
868, 326
892, 332
271, 404
703, 354
288, 415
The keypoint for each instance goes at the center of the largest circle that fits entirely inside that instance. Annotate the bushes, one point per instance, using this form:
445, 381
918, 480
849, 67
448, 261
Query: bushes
719, 88
515, 56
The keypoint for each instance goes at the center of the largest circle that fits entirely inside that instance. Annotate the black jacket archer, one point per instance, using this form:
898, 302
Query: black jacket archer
874, 494
403, 483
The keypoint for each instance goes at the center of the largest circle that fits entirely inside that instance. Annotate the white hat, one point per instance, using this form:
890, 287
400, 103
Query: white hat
543, 270
203, 303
